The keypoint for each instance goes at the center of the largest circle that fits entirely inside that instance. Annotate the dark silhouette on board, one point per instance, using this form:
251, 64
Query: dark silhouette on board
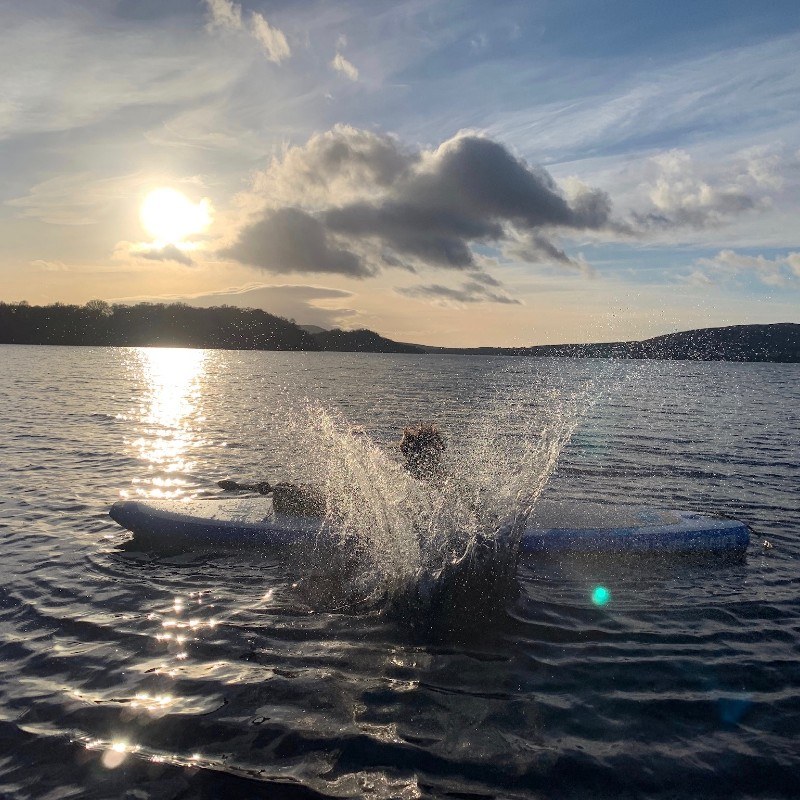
422, 446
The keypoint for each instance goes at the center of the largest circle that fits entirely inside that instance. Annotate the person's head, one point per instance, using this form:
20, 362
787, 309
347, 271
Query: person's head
423, 445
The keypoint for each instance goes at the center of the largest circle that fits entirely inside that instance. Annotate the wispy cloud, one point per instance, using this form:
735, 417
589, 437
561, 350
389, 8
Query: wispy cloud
598, 110
80, 198
778, 271
532, 248
341, 64
168, 252
44, 265
270, 38
137, 251
49, 83
308, 304
468, 292
227, 15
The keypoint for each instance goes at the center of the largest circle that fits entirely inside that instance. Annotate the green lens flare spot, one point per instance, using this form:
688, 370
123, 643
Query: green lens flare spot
600, 595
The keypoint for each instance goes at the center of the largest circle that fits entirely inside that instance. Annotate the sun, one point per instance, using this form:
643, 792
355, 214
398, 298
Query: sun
170, 217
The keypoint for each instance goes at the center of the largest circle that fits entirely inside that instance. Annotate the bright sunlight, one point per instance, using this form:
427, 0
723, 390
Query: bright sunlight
170, 217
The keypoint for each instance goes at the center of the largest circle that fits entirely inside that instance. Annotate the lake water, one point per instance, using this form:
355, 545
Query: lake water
140, 675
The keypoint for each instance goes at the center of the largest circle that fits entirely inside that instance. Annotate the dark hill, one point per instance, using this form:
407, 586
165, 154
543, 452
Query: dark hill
150, 324
361, 341
778, 342
234, 328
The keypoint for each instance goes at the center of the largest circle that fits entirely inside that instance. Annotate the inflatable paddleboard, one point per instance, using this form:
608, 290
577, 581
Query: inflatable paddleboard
553, 528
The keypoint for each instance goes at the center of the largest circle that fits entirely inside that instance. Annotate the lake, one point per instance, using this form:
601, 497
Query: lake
135, 674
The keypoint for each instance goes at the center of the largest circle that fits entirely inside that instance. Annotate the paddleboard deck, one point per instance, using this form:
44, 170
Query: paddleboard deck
556, 528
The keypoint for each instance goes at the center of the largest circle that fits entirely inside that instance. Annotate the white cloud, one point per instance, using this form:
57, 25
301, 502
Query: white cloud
778, 271
224, 14
764, 165
341, 64
713, 198
682, 196
271, 39
227, 15
699, 279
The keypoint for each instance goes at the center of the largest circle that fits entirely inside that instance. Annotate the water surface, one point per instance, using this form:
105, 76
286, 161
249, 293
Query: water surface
134, 674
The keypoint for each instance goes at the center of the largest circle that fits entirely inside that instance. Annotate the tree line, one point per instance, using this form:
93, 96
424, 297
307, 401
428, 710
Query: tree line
233, 328
99, 323
150, 324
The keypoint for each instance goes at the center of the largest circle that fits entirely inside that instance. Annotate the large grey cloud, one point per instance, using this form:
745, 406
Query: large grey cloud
353, 202
475, 180
434, 235
291, 240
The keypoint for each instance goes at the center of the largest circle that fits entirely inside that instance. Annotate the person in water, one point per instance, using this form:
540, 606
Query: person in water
422, 447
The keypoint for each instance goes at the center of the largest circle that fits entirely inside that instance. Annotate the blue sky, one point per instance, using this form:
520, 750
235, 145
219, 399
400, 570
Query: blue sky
442, 172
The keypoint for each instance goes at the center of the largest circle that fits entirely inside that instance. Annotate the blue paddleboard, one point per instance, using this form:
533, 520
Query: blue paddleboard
555, 528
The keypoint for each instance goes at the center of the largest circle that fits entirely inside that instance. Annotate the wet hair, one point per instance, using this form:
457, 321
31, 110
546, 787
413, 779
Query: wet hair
422, 445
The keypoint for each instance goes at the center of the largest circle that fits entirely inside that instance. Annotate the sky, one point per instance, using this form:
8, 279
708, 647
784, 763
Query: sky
448, 173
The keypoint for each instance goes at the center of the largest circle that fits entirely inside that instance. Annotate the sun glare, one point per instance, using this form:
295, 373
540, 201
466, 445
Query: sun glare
169, 216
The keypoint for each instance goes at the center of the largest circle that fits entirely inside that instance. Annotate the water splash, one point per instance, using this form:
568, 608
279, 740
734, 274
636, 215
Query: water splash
420, 548
498, 471
368, 496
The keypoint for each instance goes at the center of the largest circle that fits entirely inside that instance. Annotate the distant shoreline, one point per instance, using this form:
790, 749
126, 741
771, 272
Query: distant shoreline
231, 328
770, 343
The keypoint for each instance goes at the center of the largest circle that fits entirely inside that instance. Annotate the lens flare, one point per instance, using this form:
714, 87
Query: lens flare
600, 595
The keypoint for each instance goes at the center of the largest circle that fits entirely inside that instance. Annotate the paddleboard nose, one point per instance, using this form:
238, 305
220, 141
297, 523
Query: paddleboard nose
123, 512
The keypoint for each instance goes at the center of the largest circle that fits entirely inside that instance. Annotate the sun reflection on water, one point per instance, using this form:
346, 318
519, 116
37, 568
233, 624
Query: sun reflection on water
169, 417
